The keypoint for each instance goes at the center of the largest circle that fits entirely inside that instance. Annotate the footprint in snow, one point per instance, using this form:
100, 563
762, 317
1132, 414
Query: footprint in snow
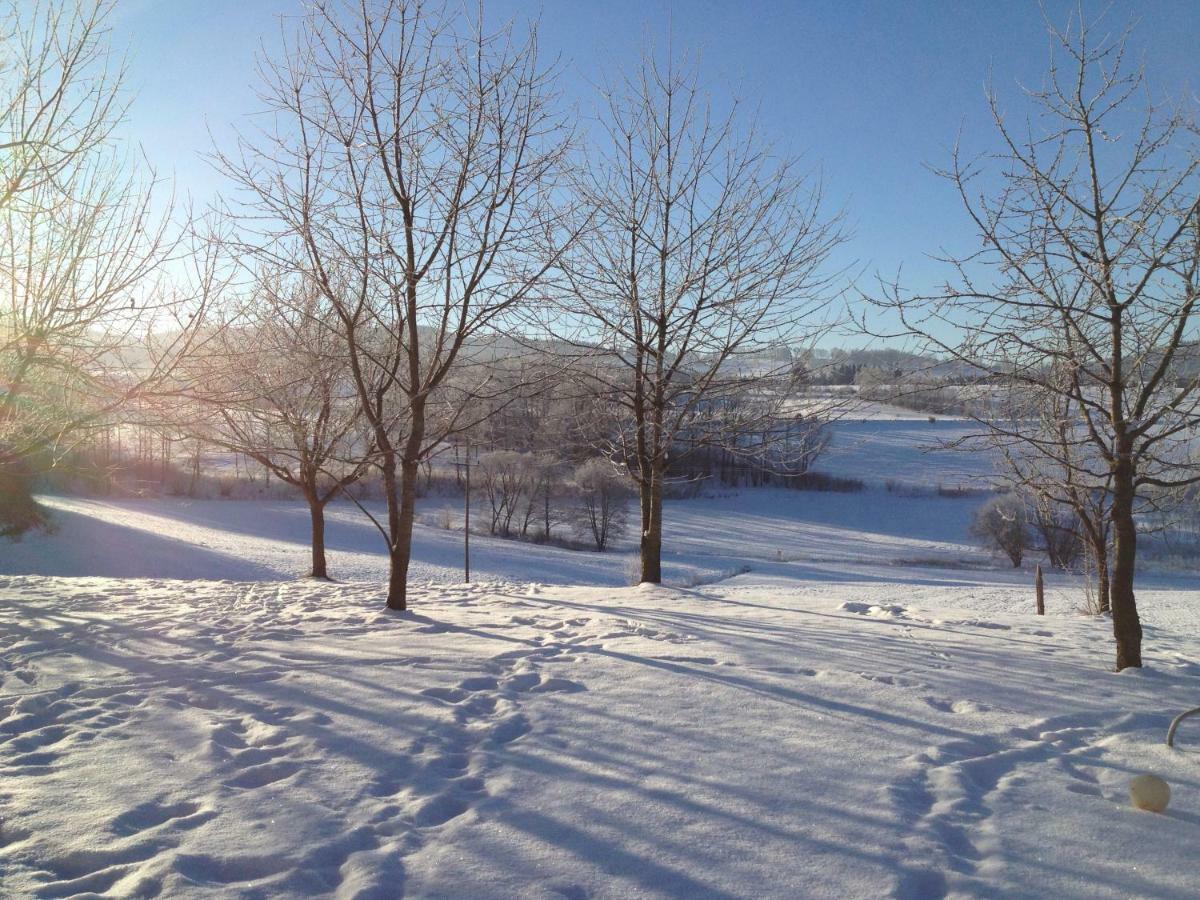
508, 730
875, 610
263, 775
205, 869
891, 680
145, 816
958, 707
446, 694
792, 670
439, 810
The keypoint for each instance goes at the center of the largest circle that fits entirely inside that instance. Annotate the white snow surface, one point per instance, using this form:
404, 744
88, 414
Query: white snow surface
871, 710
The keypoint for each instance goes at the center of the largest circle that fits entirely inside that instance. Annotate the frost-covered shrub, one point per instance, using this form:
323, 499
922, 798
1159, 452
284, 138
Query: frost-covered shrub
1002, 525
522, 492
602, 511
1058, 528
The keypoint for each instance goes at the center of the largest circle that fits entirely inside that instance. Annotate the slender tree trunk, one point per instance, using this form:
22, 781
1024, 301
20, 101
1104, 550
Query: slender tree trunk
652, 500
397, 574
195, 471
1127, 628
316, 513
402, 514
1103, 603
410, 471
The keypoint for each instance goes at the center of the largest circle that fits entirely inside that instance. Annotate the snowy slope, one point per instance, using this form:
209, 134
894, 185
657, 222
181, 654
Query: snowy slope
770, 736
873, 536
253, 540
870, 710
911, 452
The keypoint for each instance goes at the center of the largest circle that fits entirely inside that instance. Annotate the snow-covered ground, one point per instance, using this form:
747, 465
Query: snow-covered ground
910, 453
869, 709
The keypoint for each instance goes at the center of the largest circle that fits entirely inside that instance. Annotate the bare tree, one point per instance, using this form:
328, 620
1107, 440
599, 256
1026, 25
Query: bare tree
410, 167
1048, 455
60, 90
603, 499
272, 385
87, 324
1092, 241
703, 251
506, 478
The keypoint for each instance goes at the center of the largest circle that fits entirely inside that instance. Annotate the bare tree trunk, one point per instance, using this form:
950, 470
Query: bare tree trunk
397, 571
195, 470
316, 512
1103, 601
652, 501
401, 527
1099, 550
1127, 628
410, 471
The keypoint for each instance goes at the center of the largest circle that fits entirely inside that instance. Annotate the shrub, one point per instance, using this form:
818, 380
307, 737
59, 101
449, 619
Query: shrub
604, 494
1061, 537
1002, 525
19, 512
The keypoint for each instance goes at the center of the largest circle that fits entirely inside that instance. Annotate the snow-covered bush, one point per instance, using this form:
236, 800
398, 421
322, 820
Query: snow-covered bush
522, 490
602, 512
1002, 525
1058, 528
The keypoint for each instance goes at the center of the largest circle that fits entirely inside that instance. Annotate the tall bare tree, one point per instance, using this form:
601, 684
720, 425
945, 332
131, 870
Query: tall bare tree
703, 249
86, 323
410, 168
271, 384
1086, 285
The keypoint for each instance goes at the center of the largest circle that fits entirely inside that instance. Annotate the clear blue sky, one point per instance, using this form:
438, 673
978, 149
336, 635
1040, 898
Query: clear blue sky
870, 91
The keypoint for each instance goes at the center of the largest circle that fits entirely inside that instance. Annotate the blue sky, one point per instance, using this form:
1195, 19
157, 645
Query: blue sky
870, 92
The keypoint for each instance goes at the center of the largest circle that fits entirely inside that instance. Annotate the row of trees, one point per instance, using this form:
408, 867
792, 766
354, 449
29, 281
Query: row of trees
420, 183
418, 208
416, 212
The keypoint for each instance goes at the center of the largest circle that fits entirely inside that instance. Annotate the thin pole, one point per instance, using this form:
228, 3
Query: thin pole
467, 522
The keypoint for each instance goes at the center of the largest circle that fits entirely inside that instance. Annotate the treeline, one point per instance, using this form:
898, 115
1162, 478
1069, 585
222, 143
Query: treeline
419, 205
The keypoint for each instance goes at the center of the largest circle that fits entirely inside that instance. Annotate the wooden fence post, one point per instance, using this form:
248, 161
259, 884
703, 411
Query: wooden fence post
1037, 586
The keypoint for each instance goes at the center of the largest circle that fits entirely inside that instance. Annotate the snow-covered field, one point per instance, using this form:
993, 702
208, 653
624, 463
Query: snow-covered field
834, 696
909, 453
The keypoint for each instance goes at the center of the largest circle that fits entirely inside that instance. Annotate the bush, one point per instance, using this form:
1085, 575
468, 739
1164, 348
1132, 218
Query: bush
1060, 533
602, 514
1002, 525
19, 512
819, 481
